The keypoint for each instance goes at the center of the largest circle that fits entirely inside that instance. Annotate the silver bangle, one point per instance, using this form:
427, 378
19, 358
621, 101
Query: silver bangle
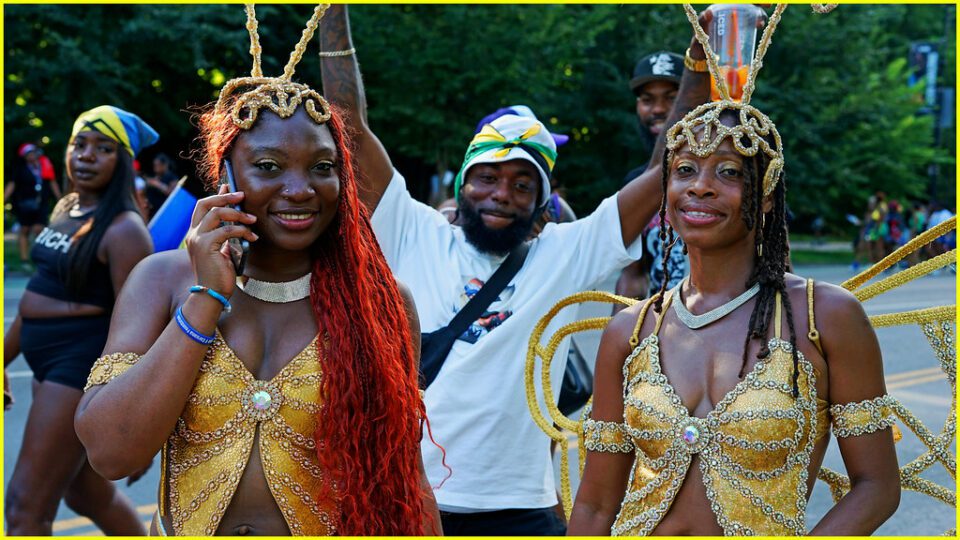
330, 54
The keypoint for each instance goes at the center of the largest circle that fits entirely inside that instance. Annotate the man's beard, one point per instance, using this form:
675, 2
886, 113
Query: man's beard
647, 138
487, 240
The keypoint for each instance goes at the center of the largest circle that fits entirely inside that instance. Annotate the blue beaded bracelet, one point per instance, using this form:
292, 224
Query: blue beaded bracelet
214, 294
192, 332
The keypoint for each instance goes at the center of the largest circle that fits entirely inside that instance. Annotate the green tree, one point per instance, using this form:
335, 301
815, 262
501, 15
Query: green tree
158, 61
835, 84
849, 121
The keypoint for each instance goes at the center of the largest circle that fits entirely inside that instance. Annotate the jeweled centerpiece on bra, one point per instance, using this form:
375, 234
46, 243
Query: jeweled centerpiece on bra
261, 400
693, 433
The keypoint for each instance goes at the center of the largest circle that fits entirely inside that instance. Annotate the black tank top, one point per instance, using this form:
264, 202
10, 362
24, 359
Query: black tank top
51, 256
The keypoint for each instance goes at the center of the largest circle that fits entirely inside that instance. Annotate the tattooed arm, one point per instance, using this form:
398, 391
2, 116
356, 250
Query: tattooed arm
343, 87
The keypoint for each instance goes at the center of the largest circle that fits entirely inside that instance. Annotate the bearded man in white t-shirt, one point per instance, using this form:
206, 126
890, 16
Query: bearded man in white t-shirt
500, 477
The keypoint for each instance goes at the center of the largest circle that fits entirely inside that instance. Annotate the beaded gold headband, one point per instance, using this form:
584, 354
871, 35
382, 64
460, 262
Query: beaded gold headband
278, 94
750, 136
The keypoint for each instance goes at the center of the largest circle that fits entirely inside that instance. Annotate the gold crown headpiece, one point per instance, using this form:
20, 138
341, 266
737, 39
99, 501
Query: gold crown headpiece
749, 136
279, 94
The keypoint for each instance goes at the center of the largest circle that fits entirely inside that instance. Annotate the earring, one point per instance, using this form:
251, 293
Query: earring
763, 224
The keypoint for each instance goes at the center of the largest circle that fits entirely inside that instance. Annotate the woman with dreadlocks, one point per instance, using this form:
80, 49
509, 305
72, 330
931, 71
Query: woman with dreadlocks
714, 400
280, 391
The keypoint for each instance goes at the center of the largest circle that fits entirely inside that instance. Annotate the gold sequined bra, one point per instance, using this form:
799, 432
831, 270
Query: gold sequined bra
206, 454
754, 446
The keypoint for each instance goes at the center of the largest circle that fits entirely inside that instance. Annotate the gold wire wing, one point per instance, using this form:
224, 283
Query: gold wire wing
546, 353
935, 322
938, 326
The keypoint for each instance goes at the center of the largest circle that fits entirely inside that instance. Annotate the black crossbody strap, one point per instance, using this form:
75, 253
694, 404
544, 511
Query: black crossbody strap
489, 291
435, 346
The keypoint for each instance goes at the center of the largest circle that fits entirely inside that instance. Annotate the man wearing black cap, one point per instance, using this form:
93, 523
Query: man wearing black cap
655, 81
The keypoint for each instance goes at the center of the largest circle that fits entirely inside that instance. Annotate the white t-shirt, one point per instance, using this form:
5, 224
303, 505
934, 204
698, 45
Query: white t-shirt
477, 405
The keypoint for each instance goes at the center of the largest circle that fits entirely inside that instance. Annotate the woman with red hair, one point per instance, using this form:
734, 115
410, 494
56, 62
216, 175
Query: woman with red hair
279, 386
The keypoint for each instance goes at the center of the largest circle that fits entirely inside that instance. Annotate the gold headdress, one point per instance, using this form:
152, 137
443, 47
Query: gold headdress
754, 126
279, 94
937, 323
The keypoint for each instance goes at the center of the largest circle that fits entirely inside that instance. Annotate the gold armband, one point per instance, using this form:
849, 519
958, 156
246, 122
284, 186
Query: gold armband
611, 437
862, 417
109, 367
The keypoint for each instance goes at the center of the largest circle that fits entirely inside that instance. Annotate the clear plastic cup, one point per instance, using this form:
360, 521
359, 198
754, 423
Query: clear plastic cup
733, 38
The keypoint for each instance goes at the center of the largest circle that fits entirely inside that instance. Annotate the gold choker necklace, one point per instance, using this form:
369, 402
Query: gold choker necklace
277, 293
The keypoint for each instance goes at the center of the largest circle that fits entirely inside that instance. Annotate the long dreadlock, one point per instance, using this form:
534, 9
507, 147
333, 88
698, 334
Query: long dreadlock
771, 263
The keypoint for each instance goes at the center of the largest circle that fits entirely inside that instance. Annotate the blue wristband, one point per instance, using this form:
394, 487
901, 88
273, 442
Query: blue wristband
192, 332
214, 294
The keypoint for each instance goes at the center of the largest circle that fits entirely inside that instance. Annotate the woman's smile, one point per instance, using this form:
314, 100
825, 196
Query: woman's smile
699, 215
294, 219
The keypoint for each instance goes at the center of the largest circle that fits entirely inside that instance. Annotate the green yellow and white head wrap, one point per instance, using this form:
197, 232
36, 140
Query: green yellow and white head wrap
507, 138
126, 128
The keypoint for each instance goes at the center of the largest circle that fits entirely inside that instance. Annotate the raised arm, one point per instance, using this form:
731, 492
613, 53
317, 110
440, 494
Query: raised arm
343, 87
124, 422
639, 200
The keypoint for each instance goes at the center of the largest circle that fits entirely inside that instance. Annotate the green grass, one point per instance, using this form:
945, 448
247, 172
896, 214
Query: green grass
804, 237
11, 257
821, 257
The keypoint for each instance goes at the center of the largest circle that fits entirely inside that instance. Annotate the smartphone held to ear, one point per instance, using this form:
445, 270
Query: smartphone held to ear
237, 247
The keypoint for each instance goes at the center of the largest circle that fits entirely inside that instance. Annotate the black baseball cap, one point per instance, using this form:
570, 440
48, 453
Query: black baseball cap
659, 66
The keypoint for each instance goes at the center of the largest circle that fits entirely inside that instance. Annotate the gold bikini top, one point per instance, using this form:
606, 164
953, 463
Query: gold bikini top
754, 446
205, 456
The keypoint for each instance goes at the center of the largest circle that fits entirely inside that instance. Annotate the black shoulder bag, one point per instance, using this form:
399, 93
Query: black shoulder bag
577, 384
436, 345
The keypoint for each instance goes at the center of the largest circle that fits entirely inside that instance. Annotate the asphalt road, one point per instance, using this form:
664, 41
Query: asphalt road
912, 376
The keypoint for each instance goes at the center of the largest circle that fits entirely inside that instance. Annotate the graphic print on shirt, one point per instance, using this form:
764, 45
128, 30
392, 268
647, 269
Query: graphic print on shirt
491, 318
54, 240
677, 265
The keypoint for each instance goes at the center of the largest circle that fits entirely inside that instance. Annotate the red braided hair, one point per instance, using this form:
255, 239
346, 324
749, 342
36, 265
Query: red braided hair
368, 439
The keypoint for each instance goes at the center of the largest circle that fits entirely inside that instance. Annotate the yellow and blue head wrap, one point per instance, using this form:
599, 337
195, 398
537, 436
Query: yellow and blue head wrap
507, 138
126, 128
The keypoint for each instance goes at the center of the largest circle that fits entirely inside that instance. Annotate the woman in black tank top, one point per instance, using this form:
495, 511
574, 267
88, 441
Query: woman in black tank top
94, 239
